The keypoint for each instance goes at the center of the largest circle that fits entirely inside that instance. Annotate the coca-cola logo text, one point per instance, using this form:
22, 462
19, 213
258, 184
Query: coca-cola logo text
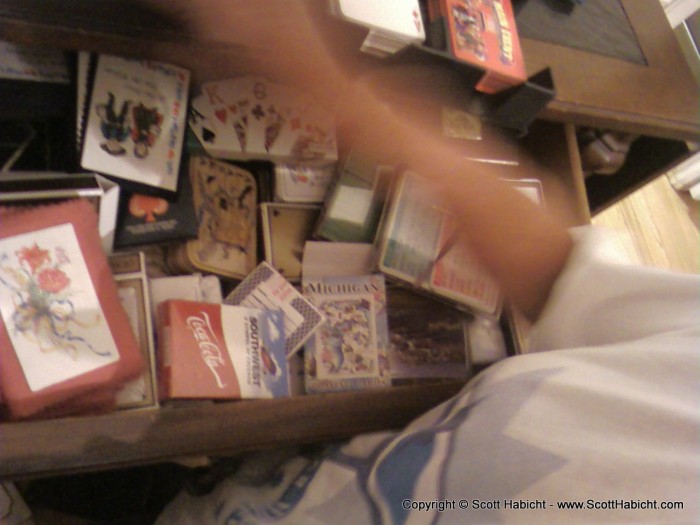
208, 344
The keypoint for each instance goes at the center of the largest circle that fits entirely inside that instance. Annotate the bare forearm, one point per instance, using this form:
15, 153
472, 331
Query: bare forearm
524, 248
520, 244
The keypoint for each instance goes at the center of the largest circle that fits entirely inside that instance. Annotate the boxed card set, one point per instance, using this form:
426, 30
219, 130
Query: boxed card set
285, 229
300, 183
391, 25
356, 196
225, 203
66, 344
29, 188
428, 340
484, 35
418, 246
153, 219
129, 270
349, 350
212, 351
267, 289
135, 118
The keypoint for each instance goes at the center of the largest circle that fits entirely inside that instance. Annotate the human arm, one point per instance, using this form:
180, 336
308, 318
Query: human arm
521, 245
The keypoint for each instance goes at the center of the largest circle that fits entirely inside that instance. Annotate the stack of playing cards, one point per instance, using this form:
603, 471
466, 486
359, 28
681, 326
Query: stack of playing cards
267, 289
392, 24
246, 118
302, 183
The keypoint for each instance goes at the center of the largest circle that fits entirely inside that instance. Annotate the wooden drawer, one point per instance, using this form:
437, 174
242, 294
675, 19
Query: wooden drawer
136, 437
133, 437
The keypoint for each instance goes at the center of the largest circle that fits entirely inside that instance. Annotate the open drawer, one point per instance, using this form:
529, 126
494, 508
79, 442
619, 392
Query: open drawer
146, 436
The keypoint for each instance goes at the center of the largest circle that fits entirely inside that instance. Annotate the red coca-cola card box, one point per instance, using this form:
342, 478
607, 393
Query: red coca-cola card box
64, 333
214, 351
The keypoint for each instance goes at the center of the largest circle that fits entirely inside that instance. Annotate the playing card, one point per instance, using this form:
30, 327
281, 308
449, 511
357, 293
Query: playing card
401, 17
292, 107
136, 121
270, 113
251, 117
227, 109
203, 127
316, 137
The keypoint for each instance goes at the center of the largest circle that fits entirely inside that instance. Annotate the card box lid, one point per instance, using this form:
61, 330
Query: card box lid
21, 400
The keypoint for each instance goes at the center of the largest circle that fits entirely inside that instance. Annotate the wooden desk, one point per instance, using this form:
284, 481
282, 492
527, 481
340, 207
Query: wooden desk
659, 99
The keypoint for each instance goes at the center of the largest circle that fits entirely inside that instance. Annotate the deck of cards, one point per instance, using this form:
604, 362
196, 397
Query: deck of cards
248, 117
392, 24
135, 121
267, 289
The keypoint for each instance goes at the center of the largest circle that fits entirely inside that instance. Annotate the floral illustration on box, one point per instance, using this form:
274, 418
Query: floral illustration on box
41, 294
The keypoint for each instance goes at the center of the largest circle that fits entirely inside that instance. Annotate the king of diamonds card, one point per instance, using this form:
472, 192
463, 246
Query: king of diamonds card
349, 350
136, 121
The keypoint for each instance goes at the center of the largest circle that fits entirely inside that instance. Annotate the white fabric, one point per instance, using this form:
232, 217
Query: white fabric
605, 414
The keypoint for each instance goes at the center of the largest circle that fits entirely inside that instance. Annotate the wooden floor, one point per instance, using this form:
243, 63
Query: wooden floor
656, 226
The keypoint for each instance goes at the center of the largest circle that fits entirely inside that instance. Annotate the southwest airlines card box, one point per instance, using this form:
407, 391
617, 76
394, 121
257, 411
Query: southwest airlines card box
213, 351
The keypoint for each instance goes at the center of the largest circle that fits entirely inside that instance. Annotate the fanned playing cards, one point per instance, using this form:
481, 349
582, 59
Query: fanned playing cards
250, 117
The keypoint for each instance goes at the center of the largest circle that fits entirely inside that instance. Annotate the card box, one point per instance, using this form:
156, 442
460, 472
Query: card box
484, 35
428, 340
356, 197
392, 24
32, 188
337, 259
192, 287
266, 289
349, 350
210, 351
285, 230
417, 246
225, 201
298, 183
136, 122
400, 18
64, 333
150, 219
129, 270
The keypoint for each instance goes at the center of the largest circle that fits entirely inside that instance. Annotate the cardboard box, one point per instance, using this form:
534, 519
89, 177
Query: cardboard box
212, 351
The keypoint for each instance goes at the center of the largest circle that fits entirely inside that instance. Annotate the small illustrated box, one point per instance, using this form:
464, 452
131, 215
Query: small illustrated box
213, 351
484, 34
